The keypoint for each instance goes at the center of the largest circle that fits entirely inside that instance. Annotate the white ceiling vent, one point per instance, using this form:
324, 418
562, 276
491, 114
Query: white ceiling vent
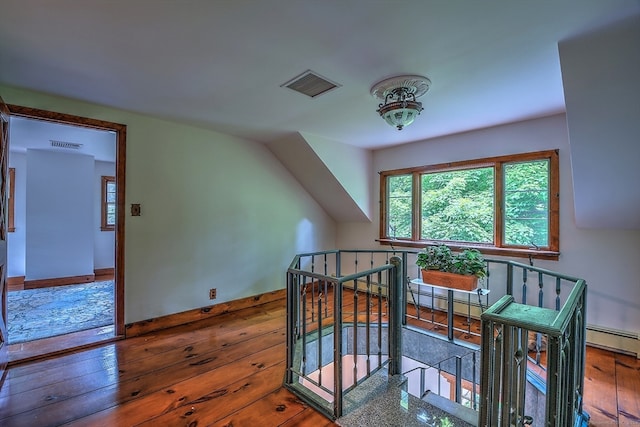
64, 144
311, 84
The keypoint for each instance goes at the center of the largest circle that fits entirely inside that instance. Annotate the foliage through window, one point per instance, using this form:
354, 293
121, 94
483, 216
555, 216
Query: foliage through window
458, 205
498, 203
108, 203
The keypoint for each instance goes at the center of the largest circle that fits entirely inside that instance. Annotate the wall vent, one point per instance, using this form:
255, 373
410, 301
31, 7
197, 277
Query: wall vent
311, 84
64, 144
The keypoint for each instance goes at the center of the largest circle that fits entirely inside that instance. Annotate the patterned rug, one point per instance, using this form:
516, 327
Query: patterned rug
46, 312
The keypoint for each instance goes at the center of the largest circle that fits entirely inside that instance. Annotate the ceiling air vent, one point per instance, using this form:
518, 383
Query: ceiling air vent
311, 84
64, 144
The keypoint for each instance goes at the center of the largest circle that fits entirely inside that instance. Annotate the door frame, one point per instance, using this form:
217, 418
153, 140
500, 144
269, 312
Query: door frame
120, 131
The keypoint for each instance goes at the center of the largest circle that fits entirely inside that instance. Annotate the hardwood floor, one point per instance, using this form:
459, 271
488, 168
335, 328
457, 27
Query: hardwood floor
224, 371
612, 388
47, 347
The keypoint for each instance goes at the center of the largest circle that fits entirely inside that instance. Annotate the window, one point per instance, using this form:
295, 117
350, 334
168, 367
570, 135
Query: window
108, 221
504, 205
12, 200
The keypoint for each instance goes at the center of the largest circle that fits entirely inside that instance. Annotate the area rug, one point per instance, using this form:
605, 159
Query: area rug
46, 312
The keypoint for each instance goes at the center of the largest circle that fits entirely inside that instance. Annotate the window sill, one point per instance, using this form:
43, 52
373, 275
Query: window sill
107, 228
485, 250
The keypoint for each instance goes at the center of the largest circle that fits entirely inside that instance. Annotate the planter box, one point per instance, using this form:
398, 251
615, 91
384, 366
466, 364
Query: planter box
450, 280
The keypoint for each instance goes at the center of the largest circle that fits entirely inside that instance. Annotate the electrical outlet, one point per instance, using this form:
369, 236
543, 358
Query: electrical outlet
213, 293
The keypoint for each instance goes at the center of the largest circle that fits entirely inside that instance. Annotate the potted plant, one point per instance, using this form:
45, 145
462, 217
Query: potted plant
470, 262
435, 258
440, 267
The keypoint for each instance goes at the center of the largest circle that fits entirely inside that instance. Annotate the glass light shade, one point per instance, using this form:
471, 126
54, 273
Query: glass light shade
400, 114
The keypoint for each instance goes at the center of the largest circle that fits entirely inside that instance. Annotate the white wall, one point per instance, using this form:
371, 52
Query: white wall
217, 211
104, 241
606, 259
59, 215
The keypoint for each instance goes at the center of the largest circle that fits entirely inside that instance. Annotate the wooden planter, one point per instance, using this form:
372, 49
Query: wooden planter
450, 280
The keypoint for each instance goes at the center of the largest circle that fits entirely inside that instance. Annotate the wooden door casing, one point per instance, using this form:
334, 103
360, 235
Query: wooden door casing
4, 154
120, 131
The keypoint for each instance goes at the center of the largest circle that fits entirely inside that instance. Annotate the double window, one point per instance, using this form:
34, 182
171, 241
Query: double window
505, 205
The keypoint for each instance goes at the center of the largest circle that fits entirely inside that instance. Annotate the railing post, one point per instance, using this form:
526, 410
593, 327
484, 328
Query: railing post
291, 319
582, 327
554, 347
540, 290
524, 285
337, 349
458, 391
405, 279
474, 405
396, 302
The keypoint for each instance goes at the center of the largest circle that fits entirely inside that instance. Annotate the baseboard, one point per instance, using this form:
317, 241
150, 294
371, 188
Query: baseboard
177, 319
614, 340
59, 281
18, 283
15, 283
104, 272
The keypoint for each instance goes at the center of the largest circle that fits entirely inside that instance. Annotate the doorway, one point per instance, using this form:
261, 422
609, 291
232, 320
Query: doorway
38, 348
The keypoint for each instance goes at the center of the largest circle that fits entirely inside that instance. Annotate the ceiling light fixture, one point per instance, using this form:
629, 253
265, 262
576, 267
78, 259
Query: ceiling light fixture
398, 94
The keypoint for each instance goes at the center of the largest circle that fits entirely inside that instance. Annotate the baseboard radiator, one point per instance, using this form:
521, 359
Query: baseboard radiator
614, 340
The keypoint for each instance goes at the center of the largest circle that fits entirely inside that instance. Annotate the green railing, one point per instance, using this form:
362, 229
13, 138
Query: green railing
324, 339
430, 377
323, 328
506, 397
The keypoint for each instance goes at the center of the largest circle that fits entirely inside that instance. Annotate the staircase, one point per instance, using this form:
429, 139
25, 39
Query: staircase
392, 405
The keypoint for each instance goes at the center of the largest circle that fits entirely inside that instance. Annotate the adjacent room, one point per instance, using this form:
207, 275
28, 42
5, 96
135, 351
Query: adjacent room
61, 251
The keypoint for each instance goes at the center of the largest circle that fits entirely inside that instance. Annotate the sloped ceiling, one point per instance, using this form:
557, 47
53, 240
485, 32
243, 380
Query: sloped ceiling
314, 173
602, 89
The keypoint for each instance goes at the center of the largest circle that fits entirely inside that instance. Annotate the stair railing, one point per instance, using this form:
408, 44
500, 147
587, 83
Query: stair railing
320, 332
316, 283
505, 344
451, 367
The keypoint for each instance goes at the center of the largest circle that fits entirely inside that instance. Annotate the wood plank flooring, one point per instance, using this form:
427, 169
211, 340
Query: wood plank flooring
212, 372
224, 371
612, 388
33, 350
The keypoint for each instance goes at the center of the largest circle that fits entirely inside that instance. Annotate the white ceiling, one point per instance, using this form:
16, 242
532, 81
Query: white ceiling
38, 135
220, 63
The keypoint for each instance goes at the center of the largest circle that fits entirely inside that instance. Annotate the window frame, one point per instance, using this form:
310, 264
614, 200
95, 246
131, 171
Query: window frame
11, 226
104, 204
498, 247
